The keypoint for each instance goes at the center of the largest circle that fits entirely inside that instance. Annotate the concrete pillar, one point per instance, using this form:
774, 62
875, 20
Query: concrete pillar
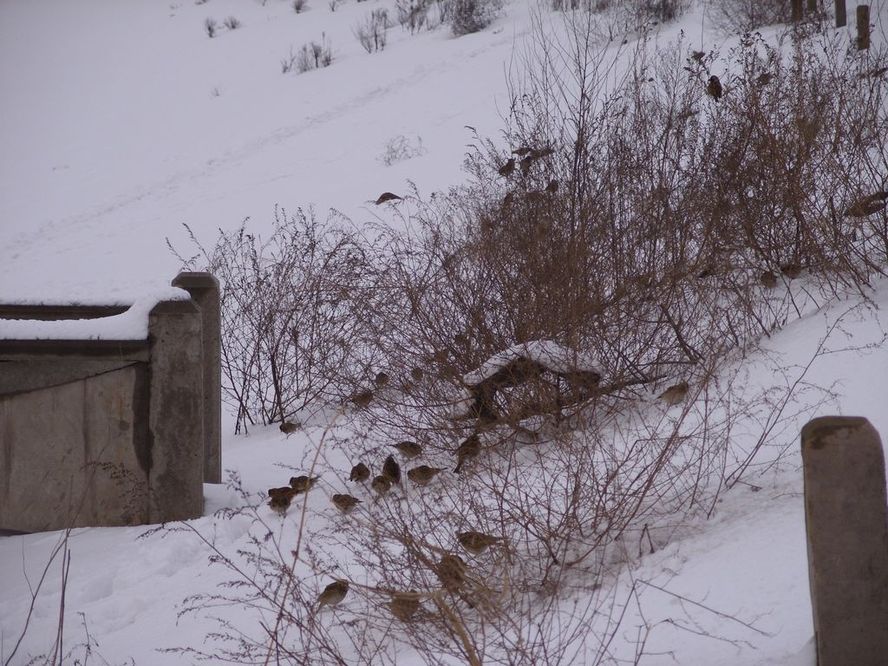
176, 412
204, 290
847, 525
841, 14
863, 27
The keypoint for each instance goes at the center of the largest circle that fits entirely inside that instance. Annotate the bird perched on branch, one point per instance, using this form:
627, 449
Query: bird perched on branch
284, 491
470, 448
868, 205
359, 472
476, 542
674, 394
508, 168
391, 470
408, 449
791, 270
714, 88
280, 499
362, 398
381, 484
387, 196
381, 379
423, 474
404, 605
451, 571
302, 484
345, 503
333, 594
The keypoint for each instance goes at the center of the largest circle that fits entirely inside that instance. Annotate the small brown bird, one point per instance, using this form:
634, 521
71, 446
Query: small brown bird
417, 374
333, 593
508, 168
476, 542
423, 474
714, 88
288, 426
302, 484
362, 398
866, 206
280, 503
470, 448
360, 472
345, 503
522, 151
381, 379
768, 280
387, 196
791, 270
552, 187
404, 605
391, 470
381, 484
764, 78
408, 449
451, 571
698, 55
674, 394
285, 491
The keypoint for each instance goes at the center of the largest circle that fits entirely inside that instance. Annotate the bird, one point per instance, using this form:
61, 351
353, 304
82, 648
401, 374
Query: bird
476, 542
285, 491
280, 503
521, 151
302, 484
333, 593
404, 605
359, 472
391, 470
768, 280
674, 394
451, 571
508, 168
387, 196
423, 474
791, 270
764, 78
381, 484
345, 503
552, 187
287, 427
362, 398
408, 449
698, 55
470, 448
714, 88
866, 206
381, 379
417, 374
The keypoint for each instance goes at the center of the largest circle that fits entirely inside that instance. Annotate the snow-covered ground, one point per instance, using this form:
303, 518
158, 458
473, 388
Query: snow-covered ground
122, 121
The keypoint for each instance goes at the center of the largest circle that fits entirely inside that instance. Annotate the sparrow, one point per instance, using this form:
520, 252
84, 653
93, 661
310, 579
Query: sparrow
423, 474
522, 151
470, 448
288, 426
285, 491
476, 542
387, 196
552, 187
508, 168
698, 55
768, 280
451, 571
417, 374
391, 470
280, 503
714, 88
360, 472
362, 398
791, 270
345, 503
333, 593
381, 379
302, 484
868, 205
381, 484
764, 78
404, 605
408, 449
674, 394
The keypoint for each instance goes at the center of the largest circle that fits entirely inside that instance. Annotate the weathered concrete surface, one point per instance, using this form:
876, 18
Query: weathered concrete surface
204, 290
69, 454
847, 524
175, 416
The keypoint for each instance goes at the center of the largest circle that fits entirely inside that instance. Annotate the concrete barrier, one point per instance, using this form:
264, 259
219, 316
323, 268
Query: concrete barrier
105, 431
847, 524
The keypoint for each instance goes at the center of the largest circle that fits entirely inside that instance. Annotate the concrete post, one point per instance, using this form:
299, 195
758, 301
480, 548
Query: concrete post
863, 27
841, 14
847, 525
796, 10
175, 419
204, 290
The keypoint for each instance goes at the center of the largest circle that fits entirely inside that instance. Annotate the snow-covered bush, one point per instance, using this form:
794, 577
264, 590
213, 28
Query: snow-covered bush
400, 148
748, 15
468, 16
210, 27
232, 23
370, 32
299, 6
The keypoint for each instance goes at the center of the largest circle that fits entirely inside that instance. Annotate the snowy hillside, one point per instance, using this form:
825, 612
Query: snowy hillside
121, 122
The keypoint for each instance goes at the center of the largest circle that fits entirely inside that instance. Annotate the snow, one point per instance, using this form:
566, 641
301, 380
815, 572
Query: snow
550, 354
123, 121
129, 325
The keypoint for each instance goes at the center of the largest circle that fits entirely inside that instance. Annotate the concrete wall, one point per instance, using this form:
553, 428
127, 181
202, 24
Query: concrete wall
96, 432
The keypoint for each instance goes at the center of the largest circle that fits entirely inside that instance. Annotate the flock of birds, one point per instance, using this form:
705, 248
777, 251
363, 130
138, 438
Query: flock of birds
451, 569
